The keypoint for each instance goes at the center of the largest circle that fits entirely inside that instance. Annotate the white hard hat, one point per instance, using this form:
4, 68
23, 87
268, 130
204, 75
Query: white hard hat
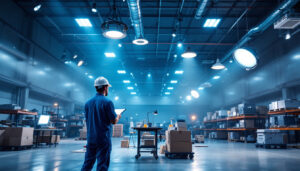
101, 81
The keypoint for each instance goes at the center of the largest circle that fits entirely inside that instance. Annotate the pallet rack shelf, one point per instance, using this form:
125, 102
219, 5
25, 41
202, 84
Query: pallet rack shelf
17, 113
285, 112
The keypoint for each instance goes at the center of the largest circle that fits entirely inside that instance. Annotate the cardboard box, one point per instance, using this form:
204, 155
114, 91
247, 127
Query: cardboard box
181, 126
17, 136
247, 124
262, 109
148, 142
162, 149
48, 139
179, 147
178, 136
222, 113
288, 104
246, 108
199, 138
124, 143
82, 134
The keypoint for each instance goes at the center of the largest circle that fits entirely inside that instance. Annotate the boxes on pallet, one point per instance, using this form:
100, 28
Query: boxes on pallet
178, 141
124, 143
246, 108
214, 116
284, 121
47, 139
181, 126
199, 138
262, 109
272, 137
118, 130
288, 104
218, 135
162, 149
222, 113
234, 111
209, 115
82, 133
233, 135
205, 119
17, 136
247, 124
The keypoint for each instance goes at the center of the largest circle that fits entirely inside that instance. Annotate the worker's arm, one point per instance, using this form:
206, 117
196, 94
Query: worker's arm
113, 117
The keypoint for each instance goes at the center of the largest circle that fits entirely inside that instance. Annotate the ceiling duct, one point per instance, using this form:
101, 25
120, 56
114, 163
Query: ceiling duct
136, 17
262, 26
200, 9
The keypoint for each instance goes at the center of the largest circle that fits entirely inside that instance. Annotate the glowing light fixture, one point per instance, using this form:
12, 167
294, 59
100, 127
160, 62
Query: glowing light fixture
110, 54
218, 65
287, 36
55, 104
116, 98
133, 93
179, 72
37, 7
216, 77
149, 75
175, 55
188, 98
193, 117
167, 93
212, 22
170, 88
80, 63
188, 54
113, 29
173, 81
94, 9
126, 81
179, 45
120, 45
83, 22
173, 35
140, 41
121, 72
245, 58
130, 88
75, 56
195, 94
201, 88
91, 77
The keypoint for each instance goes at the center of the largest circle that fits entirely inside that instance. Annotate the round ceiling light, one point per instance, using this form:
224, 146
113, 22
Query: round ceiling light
245, 58
218, 65
114, 29
140, 41
188, 54
195, 94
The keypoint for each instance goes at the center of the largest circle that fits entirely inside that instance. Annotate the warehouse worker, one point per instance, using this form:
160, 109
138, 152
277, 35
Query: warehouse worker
100, 115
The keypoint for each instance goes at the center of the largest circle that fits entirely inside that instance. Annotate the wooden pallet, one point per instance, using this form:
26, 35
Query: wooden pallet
271, 146
15, 148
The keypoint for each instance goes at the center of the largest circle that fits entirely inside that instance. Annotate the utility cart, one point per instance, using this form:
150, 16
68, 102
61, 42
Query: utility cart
153, 149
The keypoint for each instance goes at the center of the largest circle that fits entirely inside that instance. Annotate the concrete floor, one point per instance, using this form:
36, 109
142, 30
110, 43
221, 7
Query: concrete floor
219, 155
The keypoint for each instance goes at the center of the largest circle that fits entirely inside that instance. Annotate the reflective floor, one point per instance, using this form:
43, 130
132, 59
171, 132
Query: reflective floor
219, 155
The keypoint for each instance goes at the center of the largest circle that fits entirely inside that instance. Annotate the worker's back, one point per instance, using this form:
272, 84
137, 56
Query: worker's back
99, 112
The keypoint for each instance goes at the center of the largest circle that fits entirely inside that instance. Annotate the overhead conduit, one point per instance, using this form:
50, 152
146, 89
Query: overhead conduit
263, 26
136, 17
200, 9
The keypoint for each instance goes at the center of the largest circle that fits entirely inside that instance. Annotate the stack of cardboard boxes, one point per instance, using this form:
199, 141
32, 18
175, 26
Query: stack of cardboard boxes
16, 137
82, 133
125, 142
179, 141
148, 139
46, 137
118, 130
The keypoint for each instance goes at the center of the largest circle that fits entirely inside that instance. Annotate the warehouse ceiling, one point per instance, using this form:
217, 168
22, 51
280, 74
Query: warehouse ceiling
150, 68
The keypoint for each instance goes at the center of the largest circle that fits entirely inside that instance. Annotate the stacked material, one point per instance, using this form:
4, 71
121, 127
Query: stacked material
83, 132
162, 149
148, 140
247, 124
246, 109
118, 130
222, 114
233, 136
180, 126
218, 135
48, 139
16, 136
284, 104
125, 143
284, 121
271, 137
178, 141
262, 109
199, 138
234, 112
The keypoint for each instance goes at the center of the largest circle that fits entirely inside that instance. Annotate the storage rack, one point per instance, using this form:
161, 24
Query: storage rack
211, 125
73, 129
16, 114
286, 112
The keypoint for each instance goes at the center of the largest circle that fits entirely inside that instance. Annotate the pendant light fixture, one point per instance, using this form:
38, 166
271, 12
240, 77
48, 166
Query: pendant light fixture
189, 53
218, 65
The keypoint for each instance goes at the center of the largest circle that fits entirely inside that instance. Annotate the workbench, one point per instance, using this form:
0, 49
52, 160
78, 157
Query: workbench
139, 146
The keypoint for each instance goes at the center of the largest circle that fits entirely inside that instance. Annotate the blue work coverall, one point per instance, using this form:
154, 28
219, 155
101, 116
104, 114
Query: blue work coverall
99, 112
